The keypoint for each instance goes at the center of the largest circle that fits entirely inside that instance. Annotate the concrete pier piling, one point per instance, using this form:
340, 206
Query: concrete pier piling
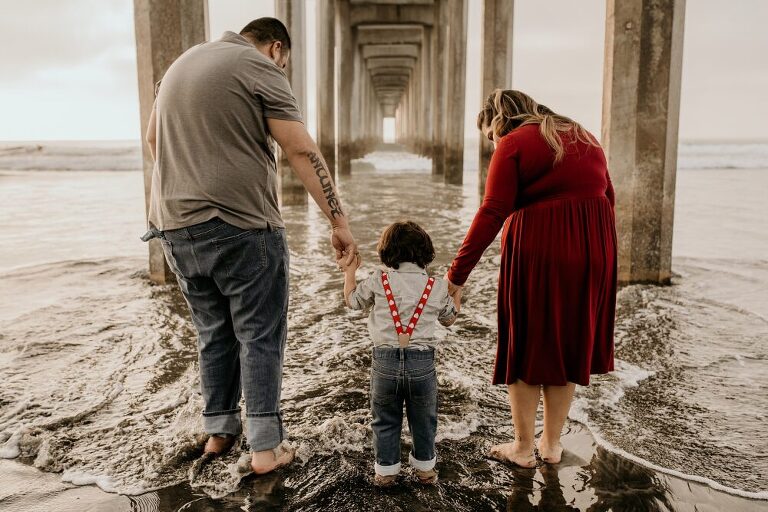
292, 14
455, 90
641, 106
496, 62
164, 30
406, 59
326, 81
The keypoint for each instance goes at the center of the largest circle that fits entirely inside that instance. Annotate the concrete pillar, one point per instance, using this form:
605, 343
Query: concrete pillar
425, 137
326, 58
496, 64
291, 13
438, 86
164, 30
455, 89
641, 105
346, 46
418, 127
355, 114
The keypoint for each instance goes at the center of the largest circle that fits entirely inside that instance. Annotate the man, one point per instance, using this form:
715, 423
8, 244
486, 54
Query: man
214, 207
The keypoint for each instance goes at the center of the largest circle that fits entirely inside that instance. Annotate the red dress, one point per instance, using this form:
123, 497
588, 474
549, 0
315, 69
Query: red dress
557, 283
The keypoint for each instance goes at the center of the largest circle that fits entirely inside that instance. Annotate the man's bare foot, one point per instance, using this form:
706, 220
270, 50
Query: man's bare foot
551, 453
270, 460
514, 453
218, 445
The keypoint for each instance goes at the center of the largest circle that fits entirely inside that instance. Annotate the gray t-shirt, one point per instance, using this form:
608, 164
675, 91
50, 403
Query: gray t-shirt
215, 156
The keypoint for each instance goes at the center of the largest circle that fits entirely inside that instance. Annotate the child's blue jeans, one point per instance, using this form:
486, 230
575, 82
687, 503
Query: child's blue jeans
403, 376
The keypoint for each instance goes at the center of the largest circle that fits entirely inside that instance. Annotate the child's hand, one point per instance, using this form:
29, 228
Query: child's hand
341, 262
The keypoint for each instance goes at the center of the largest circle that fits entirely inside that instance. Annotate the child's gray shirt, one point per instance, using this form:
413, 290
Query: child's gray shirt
407, 283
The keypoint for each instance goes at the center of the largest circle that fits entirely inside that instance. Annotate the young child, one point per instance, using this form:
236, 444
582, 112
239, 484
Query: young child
406, 303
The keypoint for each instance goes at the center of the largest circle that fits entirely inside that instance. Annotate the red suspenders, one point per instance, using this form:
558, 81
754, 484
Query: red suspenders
404, 334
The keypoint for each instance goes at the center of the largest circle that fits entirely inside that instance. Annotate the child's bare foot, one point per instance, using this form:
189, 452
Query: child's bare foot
218, 445
551, 453
269, 460
514, 453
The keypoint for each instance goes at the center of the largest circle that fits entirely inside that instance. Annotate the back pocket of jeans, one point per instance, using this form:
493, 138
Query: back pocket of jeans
383, 388
244, 254
423, 388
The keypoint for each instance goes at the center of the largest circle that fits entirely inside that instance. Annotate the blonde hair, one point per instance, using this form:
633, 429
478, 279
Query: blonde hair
505, 110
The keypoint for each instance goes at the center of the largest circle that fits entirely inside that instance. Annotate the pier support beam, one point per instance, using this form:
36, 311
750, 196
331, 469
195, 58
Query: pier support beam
291, 13
641, 106
164, 30
326, 74
496, 55
345, 70
425, 136
438, 93
455, 89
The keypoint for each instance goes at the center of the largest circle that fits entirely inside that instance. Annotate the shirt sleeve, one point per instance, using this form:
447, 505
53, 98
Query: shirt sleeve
272, 88
499, 202
362, 296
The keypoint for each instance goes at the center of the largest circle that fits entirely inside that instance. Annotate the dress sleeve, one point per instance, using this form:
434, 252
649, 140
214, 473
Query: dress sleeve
609, 192
362, 296
499, 202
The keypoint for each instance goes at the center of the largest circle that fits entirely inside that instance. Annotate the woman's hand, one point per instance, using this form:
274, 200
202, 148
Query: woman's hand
455, 291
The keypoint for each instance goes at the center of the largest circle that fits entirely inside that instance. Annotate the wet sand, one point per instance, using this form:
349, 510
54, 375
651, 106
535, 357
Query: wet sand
588, 478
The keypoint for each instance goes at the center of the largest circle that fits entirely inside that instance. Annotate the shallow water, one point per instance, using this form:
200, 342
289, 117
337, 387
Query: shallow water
99, 367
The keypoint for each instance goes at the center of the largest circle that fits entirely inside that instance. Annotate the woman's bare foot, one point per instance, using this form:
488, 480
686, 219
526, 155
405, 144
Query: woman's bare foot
270, 460
551, 453
218, 445
514, 453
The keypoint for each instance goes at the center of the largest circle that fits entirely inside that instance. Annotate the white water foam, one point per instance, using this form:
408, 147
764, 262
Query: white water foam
78, 477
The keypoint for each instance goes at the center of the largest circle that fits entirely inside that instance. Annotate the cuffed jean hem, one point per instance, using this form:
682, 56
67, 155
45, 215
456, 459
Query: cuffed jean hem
265, 432
422, 465
225, 423
394, 469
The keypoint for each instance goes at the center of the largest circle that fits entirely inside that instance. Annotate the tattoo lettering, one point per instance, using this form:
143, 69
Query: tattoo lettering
327, 183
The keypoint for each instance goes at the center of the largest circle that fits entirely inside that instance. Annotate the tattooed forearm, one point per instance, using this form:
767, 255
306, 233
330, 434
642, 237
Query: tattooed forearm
327, 183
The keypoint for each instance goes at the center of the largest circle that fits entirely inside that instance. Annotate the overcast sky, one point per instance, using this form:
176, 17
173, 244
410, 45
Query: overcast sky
69, 67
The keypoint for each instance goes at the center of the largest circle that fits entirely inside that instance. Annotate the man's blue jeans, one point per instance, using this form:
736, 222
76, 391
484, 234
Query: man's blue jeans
403, 375
235, 282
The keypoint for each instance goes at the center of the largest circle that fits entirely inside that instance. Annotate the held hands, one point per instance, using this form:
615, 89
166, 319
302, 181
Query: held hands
344, 244
349, 267
455, 291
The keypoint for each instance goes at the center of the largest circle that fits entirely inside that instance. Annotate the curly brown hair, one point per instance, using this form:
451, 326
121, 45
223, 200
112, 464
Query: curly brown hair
405, 241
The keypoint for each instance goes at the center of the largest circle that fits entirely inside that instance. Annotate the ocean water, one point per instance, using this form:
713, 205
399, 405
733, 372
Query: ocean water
99, 375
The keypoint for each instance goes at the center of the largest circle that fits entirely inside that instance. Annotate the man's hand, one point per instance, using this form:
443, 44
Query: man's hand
344, 244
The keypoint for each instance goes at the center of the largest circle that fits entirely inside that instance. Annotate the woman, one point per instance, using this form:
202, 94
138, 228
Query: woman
549, 186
